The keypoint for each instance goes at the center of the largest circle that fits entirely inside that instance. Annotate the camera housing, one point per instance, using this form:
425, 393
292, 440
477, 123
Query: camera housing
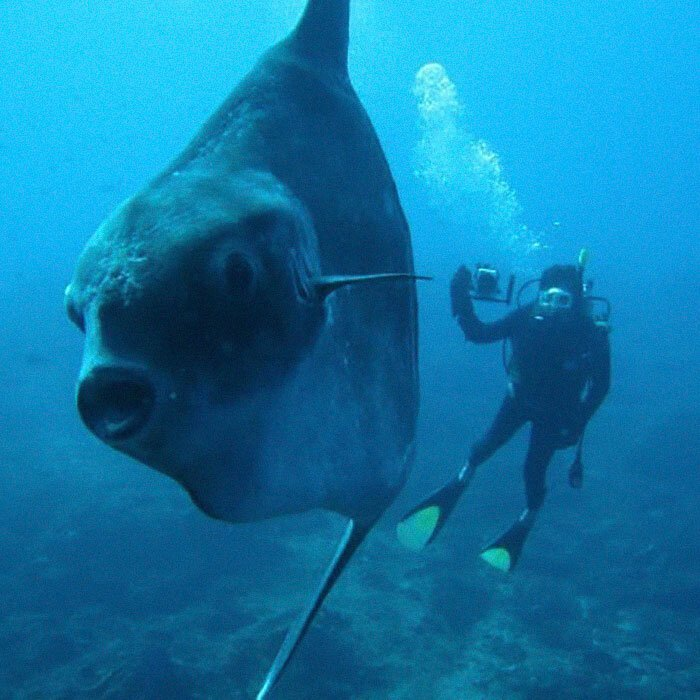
485, 286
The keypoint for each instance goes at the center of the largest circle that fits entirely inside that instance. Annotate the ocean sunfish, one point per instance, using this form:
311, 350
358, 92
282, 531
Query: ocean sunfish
250, 316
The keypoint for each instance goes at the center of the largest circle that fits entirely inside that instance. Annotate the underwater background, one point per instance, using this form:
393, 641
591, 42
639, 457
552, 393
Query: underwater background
517, 133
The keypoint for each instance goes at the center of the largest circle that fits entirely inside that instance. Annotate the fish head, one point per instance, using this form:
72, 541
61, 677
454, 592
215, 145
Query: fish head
196, 301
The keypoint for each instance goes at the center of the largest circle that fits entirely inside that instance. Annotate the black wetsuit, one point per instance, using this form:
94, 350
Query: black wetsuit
559, 374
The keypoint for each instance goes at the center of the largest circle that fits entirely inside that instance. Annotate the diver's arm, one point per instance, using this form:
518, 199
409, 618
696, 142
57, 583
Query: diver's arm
479, 332
463, 310
600, 376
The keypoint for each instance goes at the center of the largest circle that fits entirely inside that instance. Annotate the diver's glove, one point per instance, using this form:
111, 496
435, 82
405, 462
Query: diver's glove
567, 437
576, 474
460, 286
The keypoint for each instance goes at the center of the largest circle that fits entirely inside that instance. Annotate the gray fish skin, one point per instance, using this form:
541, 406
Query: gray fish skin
209, 355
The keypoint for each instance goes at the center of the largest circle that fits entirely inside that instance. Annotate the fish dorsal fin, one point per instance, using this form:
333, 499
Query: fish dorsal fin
322, 34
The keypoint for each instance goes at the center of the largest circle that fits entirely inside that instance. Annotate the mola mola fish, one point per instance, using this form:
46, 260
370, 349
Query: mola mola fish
250, 315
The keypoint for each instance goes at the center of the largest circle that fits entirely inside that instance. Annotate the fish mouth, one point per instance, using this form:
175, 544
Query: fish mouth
115, 403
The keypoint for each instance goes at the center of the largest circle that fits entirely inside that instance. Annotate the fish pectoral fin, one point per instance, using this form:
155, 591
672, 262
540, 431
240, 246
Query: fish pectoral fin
352, 538
326, 284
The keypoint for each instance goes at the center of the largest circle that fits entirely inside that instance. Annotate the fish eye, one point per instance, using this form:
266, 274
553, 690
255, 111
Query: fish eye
240, 275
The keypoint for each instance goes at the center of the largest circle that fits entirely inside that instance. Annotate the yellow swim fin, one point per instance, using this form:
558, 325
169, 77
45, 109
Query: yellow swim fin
421, 524
504, 552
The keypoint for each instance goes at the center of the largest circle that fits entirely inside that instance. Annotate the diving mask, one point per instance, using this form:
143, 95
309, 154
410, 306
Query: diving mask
555, 299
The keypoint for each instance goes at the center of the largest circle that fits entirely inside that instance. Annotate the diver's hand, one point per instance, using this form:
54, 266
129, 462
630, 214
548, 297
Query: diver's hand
568, 437
576, 475
460, 287
570, 433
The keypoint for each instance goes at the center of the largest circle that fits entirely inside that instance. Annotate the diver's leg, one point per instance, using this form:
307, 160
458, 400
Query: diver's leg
509, 419
423, 522
539, 454
504, 552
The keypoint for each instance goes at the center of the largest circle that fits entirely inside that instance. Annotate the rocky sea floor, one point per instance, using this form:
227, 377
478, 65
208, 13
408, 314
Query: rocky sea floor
113, 586
136, 595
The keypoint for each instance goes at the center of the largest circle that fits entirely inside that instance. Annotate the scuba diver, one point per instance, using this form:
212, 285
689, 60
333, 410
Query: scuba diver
558, 375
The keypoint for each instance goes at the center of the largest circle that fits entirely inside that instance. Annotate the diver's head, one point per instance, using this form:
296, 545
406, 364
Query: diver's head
560, 290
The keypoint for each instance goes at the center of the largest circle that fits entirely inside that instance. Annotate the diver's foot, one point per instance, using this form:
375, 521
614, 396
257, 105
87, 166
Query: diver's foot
421, 524
504, 552
466, 474
527, 518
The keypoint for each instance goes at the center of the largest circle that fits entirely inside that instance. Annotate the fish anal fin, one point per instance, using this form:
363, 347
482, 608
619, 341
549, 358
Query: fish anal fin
352, 538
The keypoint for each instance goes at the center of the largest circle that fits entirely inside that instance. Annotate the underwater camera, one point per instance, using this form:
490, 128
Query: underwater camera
485, 285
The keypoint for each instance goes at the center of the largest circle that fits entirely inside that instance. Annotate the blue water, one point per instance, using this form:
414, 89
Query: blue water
569, 124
